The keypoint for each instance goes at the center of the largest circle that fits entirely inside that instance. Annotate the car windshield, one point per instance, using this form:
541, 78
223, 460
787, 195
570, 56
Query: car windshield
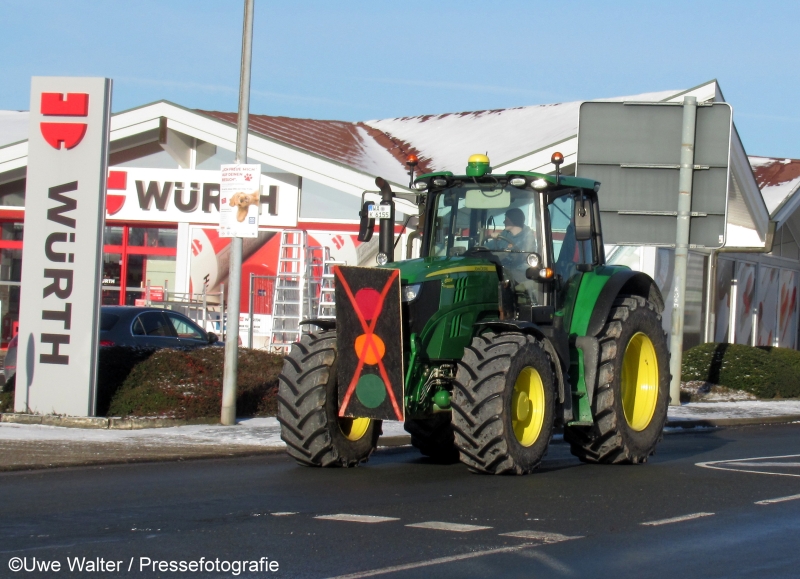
476, 218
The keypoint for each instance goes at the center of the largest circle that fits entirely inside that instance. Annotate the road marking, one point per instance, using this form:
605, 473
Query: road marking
357, 518
283, 514
440, 526
546, 538
677, 519
431, 562
778, 500
750, 462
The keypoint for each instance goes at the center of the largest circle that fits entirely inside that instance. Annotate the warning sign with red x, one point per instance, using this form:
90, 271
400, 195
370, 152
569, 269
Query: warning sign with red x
370, 343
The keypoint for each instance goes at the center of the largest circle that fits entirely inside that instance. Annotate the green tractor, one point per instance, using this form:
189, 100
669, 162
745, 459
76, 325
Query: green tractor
508, 325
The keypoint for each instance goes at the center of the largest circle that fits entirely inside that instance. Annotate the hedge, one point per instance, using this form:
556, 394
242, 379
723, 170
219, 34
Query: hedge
181, 384
764, 371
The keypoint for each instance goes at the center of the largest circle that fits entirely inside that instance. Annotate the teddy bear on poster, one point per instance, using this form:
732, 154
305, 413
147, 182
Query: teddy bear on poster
243, 201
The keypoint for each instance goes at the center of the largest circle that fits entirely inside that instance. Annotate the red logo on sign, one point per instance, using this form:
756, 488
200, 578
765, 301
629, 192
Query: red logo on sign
117, 180
74, 105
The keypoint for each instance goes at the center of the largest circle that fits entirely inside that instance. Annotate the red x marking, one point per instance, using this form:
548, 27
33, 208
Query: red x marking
369, 330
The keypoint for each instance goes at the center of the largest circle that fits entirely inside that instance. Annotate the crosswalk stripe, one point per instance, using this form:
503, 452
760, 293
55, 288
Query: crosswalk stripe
778, 500
546, 538
441, 526
677, 519
357, 518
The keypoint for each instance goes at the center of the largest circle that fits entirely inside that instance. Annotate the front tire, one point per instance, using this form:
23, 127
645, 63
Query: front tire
308, 408
630, 404
503, 403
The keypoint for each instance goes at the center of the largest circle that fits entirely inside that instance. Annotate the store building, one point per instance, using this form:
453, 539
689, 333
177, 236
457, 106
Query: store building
163, 196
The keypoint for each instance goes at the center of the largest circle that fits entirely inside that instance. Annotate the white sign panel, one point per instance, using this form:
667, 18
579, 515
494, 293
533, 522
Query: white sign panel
240, 194
191, 196
64, 208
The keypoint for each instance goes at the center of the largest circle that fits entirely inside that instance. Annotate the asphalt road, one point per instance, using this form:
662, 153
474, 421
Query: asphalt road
566, 520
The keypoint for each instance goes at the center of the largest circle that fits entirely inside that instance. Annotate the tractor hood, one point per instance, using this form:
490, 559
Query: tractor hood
430, 268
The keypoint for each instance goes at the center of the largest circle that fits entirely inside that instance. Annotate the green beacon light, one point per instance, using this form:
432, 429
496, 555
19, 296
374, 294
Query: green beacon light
478, 166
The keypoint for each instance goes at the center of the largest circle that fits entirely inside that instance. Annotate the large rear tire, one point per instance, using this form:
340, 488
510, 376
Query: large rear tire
503, 403
632, 396
434, 437
308, 408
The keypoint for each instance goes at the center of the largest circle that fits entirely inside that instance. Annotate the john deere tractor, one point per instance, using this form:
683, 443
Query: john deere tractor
508, 325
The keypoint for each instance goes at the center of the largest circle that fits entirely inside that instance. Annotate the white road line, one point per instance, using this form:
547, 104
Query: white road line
431, 562
546, 538
440, 526
714, 464
283, 514
778, 500
677, 519
786, 464
357, 518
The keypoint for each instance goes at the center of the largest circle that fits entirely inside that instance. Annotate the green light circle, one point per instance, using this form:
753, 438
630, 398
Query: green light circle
370, 390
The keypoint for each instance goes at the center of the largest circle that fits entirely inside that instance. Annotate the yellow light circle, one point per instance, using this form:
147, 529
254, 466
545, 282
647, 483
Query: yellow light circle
478, 158
369, 356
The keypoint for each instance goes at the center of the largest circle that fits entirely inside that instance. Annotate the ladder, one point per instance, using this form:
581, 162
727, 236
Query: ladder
290, 288
326, 307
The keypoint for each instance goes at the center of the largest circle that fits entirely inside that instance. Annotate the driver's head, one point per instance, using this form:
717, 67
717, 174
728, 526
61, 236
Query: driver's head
515, 217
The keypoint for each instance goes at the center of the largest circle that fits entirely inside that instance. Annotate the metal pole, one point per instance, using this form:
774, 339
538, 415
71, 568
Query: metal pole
682, 246
228, 416
250, 331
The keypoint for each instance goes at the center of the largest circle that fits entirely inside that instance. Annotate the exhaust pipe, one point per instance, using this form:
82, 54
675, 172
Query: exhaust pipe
386, 239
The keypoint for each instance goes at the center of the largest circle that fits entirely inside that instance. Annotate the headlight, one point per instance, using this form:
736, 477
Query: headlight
517, 181
533, 259
539, 184
410, 292
420, 185
382, 259
440, 182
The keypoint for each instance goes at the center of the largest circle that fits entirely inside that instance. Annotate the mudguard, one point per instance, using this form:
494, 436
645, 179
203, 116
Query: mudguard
623, 282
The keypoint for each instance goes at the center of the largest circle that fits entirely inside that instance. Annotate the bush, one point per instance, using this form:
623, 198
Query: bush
6, 401
188, 385
764, 371
114, 364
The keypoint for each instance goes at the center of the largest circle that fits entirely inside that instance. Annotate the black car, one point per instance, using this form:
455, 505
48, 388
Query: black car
137, 327
151, 328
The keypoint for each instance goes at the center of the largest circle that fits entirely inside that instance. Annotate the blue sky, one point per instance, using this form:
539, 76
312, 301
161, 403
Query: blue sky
359, 60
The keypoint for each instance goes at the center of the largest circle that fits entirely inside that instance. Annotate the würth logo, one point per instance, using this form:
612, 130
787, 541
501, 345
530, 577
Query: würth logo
75, 104
117, 180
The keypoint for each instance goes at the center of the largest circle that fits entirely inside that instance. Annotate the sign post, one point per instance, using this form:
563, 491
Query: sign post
230, 372
62, 255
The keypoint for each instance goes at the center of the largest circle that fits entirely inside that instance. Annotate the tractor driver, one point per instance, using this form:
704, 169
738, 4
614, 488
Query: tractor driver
516, 236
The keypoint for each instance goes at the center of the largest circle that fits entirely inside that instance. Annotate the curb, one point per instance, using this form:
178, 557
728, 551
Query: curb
720, 422
114, 423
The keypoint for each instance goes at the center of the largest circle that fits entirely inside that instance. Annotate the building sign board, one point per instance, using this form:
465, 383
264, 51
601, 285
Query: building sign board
192, 196
633, 150
240, 193
61, 271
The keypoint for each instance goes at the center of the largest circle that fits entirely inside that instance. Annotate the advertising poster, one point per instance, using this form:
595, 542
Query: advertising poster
767, 305
787, 320
240, 200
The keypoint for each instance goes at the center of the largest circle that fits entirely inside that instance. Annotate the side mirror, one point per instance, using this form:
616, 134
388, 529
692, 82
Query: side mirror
212, 338
583, 219
367, 225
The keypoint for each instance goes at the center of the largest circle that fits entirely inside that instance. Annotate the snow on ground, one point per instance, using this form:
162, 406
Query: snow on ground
745, 409
265, 432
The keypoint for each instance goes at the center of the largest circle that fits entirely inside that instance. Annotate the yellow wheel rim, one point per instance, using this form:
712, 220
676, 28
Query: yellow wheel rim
527, 406
354, 428
639, 382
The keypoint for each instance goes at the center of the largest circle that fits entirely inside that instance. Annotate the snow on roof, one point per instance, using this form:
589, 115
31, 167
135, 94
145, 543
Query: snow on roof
777, 178
442, 142
13, 127
445, 141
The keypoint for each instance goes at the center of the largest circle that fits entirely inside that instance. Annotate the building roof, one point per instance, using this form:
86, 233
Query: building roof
777, 178
13, 127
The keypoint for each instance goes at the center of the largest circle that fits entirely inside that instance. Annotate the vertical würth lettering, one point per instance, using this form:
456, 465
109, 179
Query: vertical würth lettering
60, 279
